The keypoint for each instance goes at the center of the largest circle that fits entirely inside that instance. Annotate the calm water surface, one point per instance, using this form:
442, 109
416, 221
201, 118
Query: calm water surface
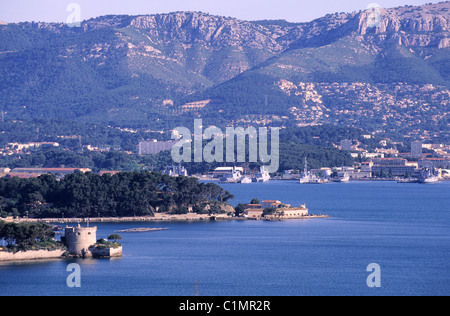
405, 228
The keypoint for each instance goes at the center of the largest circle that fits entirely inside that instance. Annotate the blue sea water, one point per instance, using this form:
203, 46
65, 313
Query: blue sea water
404, 228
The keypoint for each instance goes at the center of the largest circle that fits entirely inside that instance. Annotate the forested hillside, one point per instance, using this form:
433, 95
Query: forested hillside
124, 70
90, 195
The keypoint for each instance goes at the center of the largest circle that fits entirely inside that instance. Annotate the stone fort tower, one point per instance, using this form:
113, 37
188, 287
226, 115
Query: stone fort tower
79, 239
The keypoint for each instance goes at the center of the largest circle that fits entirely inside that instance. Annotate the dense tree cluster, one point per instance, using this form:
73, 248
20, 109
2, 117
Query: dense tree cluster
91, 195
293, 157
27, 236
96, 161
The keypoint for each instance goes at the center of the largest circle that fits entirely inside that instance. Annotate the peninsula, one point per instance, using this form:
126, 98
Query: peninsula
33, 241
127, 194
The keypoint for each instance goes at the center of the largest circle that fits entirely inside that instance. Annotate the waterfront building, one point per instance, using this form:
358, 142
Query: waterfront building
367, 166
272, 204
285, 211
442, 163
389, 162
253, 213
392, 167
295, 212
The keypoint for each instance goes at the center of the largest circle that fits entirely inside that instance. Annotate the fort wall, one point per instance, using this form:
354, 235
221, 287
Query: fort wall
79, 239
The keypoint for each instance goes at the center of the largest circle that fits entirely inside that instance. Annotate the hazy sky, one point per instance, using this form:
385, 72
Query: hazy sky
291, 10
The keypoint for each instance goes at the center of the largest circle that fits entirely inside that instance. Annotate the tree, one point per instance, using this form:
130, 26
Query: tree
115, 237
26, 235
239, 209
269, 211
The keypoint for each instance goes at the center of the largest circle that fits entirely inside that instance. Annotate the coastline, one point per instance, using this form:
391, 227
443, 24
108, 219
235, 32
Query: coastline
159, 218
32, 255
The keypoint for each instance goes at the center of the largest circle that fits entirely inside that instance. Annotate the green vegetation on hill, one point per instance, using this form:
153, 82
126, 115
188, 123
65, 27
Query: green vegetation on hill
90, 195
120, 69
293, 157
398, 64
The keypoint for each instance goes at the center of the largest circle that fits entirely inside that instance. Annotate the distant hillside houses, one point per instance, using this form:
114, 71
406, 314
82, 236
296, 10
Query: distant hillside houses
35, 172
19, 146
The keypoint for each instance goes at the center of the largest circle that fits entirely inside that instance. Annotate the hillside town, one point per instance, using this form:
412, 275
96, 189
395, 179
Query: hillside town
411, 109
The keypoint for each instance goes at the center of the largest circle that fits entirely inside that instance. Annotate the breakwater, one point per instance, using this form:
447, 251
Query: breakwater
157, 218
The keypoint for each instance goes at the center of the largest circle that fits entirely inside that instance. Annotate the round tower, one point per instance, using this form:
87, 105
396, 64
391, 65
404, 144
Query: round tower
79, 239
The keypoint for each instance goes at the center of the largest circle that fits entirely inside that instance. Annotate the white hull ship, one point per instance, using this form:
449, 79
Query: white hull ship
246, 180
309, 178
233, 177
345, 178
312, 180
262, 176
430, 179
428, 176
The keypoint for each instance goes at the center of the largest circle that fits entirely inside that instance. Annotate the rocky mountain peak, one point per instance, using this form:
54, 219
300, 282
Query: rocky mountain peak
428, 18
426, 25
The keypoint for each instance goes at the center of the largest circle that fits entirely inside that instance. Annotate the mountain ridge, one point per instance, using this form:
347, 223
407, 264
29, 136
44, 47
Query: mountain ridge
146, 66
